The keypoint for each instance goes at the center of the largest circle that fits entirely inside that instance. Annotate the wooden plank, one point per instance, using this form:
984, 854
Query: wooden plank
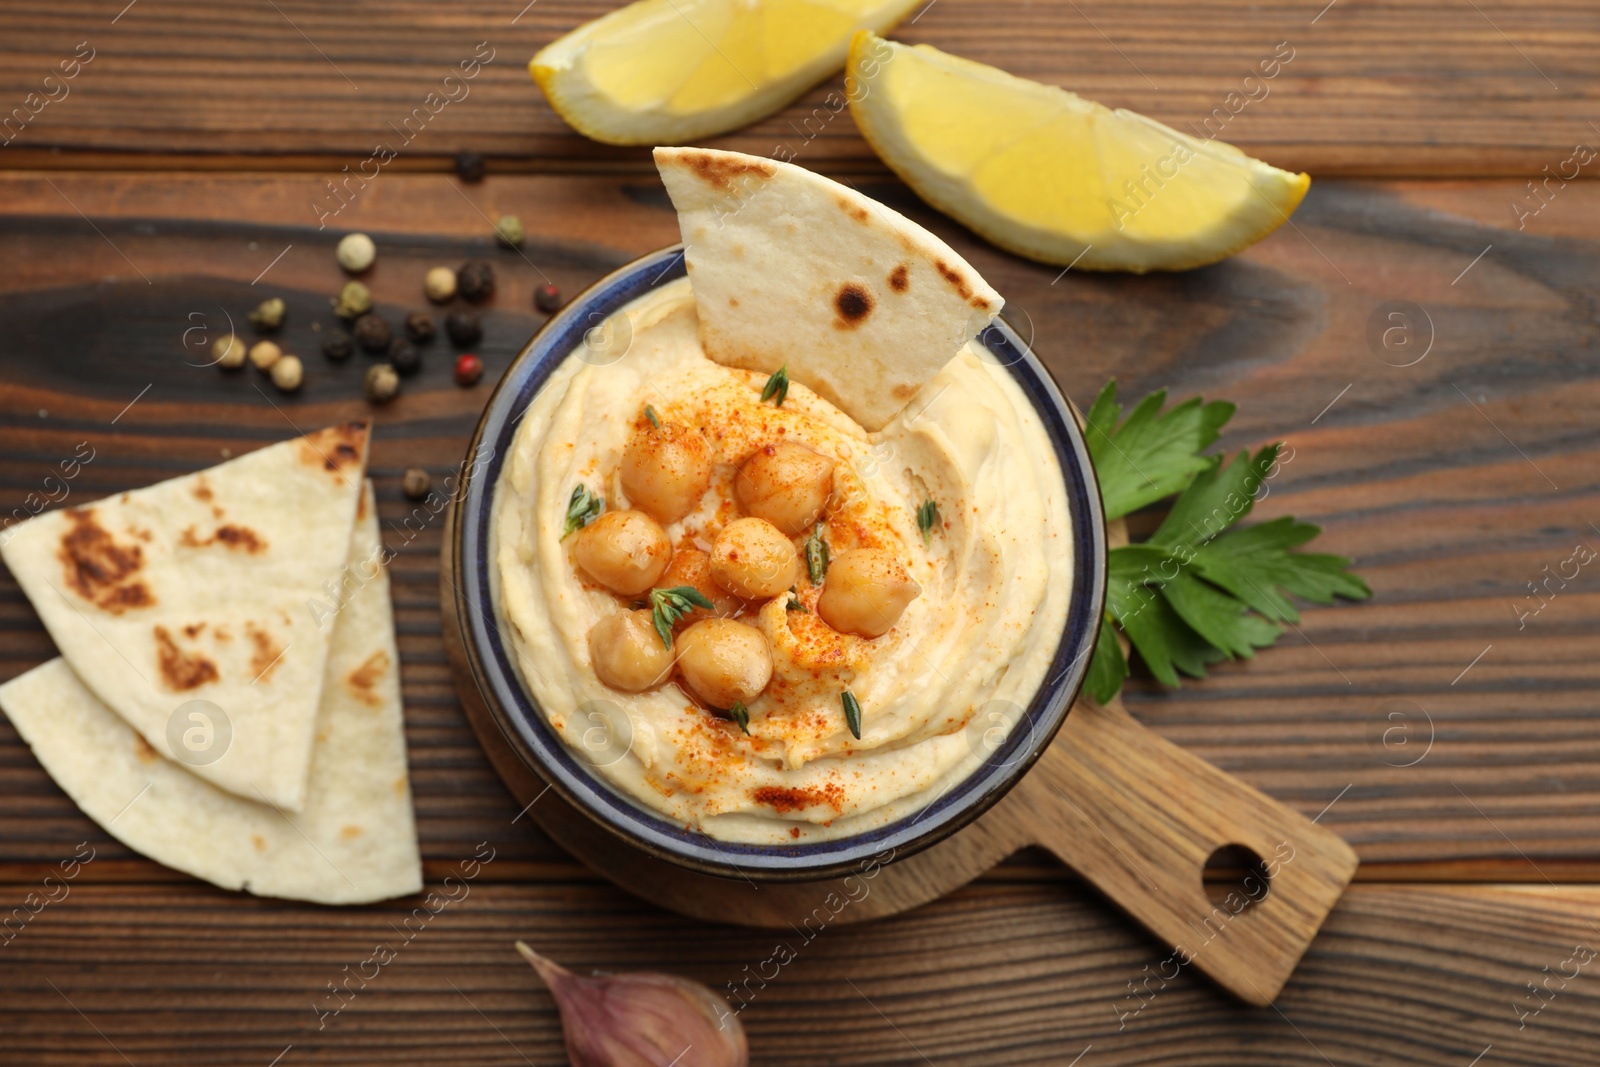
1431, 476
992, 975
1405, 87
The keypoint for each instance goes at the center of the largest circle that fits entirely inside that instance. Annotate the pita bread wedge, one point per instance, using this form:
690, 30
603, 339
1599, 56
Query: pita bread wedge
353, 842
207, 587
788, 267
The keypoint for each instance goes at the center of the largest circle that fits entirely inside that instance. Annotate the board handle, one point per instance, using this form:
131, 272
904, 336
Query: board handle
1140, 817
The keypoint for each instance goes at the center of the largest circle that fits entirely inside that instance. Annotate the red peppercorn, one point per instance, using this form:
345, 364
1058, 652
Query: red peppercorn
469, 368
547, 298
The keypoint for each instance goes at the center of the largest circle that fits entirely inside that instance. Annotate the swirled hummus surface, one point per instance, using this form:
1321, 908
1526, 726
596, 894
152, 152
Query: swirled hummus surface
938, 692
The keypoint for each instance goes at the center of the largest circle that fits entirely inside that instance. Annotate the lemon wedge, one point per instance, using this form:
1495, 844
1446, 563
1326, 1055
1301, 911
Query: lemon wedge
1054, 177
670, 71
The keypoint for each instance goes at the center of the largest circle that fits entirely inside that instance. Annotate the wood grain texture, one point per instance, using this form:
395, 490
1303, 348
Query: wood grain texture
1431, 476
1421, 87
994, 975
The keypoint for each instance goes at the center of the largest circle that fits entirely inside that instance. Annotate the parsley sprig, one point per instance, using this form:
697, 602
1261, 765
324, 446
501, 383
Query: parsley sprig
667, 606
741, 715
583, 507
1200, 589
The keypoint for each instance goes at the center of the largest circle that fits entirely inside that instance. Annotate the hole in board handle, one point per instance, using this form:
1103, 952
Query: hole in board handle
1234, 873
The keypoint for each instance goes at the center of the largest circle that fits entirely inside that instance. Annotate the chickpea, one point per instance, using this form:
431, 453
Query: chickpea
786, 484
625, 551
753, 559
666, 470
724, 662
627, 653
866, 591
690, 566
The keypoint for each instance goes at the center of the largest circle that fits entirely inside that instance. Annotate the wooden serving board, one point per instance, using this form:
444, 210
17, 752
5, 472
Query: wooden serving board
1136, 815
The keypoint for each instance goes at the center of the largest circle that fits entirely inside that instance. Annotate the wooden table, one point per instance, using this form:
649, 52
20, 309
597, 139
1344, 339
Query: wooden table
175, 182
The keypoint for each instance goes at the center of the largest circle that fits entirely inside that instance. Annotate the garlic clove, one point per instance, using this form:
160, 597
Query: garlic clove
641, 1020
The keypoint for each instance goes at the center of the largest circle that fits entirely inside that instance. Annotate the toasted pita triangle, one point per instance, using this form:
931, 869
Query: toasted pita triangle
207, 587
355, 839
788, 267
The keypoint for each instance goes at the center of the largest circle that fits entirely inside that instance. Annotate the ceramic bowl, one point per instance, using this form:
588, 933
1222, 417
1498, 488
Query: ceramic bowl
470, 562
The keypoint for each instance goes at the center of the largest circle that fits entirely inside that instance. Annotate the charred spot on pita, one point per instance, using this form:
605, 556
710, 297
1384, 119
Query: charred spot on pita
722, 172
854, 303
181, 670
900, 278
99, 569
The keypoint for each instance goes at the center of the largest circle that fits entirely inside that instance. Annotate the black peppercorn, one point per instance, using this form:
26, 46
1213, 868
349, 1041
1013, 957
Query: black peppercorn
372, 334
547, 298
475, 280
463, 327
419, 327
405, 358
337, 345
469, 166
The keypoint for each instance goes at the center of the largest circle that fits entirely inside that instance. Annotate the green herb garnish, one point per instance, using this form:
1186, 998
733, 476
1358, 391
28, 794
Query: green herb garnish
650, 413
1197, 591
667, 606
741, 715
817, 556
583, 507
928, 520
795, 605
852, 712
777, 386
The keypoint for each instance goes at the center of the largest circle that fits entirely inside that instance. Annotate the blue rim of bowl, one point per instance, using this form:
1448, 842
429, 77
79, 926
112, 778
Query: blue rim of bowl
538, 745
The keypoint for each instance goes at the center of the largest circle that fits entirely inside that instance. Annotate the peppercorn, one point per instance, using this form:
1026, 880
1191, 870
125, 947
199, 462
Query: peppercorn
415, 483
263, 354
355, 252
475, 280
372, 333
469, 368
228, 352
419, 327
547, 298
469, 166
268, 315
287, 374
463, 327
381, 383
354, 301
337, 345
509, 232
439, 284
404, 358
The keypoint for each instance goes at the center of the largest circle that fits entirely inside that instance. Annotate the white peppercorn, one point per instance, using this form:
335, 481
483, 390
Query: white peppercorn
263, 354
287, 373
354, 301
355, 252
440, 285
228, 352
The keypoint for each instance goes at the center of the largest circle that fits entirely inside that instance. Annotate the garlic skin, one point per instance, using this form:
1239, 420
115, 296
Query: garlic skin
641, 1020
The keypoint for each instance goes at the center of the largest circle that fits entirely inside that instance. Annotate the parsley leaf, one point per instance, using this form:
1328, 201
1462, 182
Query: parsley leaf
667, 606
741, 715
650, 413
1149, 456
1200, 589
583, 507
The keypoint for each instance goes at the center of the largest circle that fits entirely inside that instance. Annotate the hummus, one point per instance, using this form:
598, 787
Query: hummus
938, 692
